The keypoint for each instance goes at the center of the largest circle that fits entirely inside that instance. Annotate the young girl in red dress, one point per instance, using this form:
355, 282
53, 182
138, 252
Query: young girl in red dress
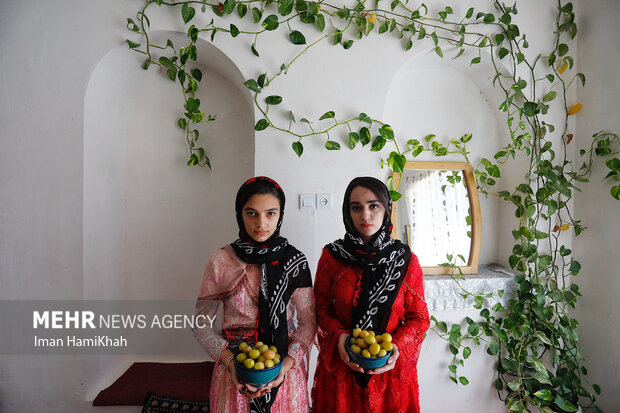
370, 281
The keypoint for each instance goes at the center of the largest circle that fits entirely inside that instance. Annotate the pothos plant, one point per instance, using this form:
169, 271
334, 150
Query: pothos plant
534, 337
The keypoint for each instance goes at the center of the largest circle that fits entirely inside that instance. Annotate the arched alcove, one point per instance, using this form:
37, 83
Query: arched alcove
450, 98
150, 221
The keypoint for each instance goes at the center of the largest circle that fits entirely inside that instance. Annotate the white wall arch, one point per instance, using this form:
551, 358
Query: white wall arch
450, 98
150, 222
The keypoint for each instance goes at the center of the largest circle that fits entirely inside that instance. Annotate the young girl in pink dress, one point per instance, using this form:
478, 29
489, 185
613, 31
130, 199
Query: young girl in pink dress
265, 287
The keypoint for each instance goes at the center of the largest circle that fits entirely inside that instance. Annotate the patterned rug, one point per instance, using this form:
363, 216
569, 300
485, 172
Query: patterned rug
164, 404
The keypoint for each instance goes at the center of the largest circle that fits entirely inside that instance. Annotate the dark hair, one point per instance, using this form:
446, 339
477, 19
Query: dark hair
378, 188
259, 185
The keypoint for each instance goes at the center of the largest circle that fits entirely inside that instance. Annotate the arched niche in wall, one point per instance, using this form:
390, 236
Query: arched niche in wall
150, 221
450, 98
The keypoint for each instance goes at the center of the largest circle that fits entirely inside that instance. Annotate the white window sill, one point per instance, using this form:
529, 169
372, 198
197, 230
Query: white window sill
443, 293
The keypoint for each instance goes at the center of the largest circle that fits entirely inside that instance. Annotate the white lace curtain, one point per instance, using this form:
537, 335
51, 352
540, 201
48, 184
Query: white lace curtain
436, 210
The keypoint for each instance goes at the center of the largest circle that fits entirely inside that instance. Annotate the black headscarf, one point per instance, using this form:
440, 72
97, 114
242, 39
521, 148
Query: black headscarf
283, 270
384, 263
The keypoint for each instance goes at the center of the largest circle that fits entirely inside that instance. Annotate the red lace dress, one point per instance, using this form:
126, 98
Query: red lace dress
335, 389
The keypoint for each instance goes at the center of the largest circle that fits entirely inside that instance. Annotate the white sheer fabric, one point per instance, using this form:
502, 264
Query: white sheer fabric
437, 210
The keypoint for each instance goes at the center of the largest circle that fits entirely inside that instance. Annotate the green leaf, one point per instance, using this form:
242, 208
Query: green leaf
364, 118
565, 405
395, 195
474, 61
298, 148
469, 13
530, 108
187, 12
422, 33
332, 146
261, 79
328, 115
387, 132
347, 44
613, 164
131, 25
252, 85
409, 44
493, 170
261, 125
464, 380
297, 37
182, 123
489, 18
540, 235
378, 143
229, 6
254, 50
503, 52
132, 45
384, 27
397, 162
166, 62
273, 100
493, 348
197, 73
575, 267
192, 105
549, 96
364, 136
438, 51
285, 7
337, 37
320, 22
615, 192
354, 138
234, 31
256, 14
392, 25
301, 5
242, 9
193, 160
271, 22
466, 352
582, 77
562, 49
172, 74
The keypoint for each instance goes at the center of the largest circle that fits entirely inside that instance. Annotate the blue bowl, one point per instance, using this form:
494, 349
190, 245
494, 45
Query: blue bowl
366, 363
257, 378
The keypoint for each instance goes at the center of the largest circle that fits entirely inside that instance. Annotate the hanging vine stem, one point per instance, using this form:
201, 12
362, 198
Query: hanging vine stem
536, 321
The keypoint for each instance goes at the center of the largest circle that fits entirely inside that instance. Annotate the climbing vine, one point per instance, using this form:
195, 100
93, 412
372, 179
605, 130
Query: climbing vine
533, 338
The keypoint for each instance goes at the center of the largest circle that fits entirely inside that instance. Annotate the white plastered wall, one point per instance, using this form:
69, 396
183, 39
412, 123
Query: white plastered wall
597, 248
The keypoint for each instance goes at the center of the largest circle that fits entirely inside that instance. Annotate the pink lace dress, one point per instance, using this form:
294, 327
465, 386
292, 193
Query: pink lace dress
230, 282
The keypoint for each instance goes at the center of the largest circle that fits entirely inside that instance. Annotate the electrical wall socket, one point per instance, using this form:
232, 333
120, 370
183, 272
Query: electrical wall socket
323, 201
